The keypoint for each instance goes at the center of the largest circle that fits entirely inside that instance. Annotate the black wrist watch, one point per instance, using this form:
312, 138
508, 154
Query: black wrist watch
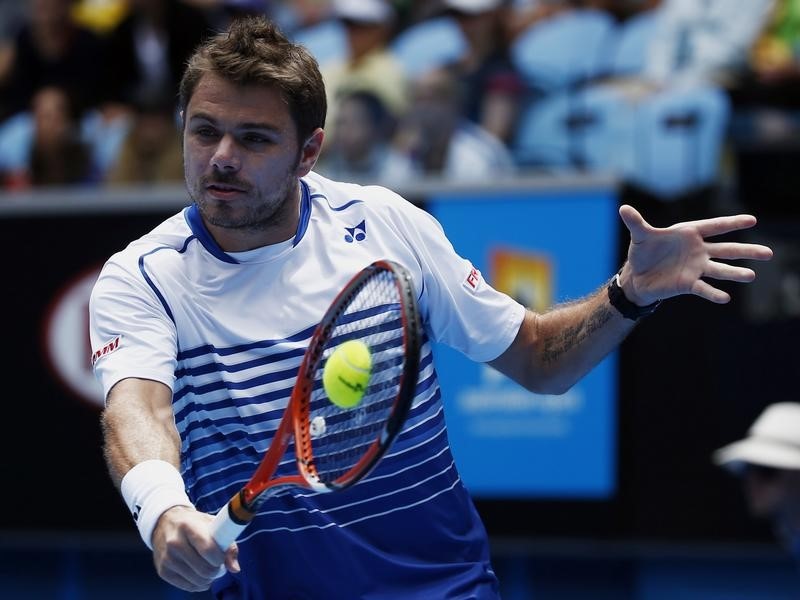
628, 309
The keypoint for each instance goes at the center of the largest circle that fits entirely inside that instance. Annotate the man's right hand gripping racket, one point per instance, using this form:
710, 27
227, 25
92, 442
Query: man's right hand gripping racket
336, 447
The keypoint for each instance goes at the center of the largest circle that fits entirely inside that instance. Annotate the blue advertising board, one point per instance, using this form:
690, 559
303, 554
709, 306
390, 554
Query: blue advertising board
542, 247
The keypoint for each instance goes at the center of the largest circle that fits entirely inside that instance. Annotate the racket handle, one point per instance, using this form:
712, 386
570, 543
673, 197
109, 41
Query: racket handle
224, 529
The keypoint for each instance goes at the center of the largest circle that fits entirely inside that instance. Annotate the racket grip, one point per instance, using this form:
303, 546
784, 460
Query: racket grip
224, 529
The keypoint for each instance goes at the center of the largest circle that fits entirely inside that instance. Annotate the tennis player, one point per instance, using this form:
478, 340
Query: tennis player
199, 326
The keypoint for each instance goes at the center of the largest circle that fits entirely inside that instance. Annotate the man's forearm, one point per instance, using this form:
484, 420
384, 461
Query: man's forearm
137, 426
553, 350
568, 328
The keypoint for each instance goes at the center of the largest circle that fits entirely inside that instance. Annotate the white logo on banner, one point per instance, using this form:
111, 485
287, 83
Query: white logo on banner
66, 338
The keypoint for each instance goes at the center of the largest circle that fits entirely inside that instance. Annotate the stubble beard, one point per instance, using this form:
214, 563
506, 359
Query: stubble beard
258, 214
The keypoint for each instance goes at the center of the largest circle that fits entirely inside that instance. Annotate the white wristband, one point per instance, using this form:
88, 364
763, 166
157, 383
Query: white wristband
149, 489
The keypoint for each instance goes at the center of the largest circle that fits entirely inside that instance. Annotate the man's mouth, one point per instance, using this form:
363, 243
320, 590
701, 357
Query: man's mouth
224, 190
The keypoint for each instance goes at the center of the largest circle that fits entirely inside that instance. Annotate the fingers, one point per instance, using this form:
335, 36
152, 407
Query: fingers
206, 552
638, 227
184, 552
709, 292
184, 566
232, 559
179, 581
722, 225
736, 251
184, 575
728, 272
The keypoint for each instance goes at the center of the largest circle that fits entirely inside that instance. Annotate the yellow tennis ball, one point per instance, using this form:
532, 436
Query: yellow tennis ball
346, 374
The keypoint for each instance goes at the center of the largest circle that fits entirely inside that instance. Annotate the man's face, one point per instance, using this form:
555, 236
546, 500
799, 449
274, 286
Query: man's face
242, 160
356, 133
771, 492
51, 115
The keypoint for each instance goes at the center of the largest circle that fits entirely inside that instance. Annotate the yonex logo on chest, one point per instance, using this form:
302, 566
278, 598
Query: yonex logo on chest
357, 233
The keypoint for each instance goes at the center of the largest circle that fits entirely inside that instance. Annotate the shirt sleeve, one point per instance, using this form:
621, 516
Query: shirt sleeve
130, 331
459, 306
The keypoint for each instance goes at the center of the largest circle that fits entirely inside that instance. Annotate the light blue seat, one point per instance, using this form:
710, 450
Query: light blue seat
668, 144
564, 50
327, 41
591, 129
542, 137
629, 52
105, 137
678, 140
603, 130
16, 141
429, 44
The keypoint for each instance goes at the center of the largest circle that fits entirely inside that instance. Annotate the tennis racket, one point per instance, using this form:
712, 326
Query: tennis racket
336, 447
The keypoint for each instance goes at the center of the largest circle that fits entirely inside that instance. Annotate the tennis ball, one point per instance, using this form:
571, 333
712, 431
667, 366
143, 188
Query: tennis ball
346, 374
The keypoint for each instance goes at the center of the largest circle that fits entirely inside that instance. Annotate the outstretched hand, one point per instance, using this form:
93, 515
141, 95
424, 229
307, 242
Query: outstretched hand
666, 262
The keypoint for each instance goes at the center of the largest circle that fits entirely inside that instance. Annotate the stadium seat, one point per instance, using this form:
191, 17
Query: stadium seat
679, 135
542, 137
564, 50
591, 129
16, 141
428, 44
629, 51
105, 137
327, 41
668, 144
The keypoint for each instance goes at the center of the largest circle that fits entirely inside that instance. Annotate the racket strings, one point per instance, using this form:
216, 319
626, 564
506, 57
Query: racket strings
340, 437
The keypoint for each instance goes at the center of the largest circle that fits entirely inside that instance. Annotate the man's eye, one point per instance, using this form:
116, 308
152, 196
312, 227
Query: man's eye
253, 138
205, 132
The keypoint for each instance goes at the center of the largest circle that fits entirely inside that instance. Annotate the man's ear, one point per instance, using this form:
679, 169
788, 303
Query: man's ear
309, 153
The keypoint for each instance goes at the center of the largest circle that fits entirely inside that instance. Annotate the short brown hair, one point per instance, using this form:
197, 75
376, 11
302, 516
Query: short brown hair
253, 51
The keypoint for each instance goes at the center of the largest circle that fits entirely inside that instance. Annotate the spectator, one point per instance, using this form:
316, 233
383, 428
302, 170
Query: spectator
219, 13
701, 42
768, 94
151, 152
768, 462
361, 149
295, 15
58, 156
51, 50
696, 43
101, 16
440, 141
12, 16
148, 49
370, 65
492, 87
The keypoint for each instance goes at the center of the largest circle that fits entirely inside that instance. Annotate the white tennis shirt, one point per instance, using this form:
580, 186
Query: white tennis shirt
227, 331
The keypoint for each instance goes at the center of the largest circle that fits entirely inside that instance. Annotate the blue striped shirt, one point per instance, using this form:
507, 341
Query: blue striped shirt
227, 331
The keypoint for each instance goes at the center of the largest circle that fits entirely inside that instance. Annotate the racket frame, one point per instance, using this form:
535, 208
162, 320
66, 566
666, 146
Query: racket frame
242, 507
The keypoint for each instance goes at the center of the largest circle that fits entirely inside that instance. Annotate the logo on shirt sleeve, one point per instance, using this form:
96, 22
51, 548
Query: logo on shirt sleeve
108, 348
472, 280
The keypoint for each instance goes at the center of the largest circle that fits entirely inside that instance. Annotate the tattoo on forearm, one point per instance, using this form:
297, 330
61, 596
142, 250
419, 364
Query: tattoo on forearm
565, 340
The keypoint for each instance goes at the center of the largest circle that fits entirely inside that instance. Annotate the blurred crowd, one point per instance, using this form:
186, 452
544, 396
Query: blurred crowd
654, 91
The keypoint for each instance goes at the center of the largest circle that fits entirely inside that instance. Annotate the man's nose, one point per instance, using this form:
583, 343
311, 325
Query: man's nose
226, 157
